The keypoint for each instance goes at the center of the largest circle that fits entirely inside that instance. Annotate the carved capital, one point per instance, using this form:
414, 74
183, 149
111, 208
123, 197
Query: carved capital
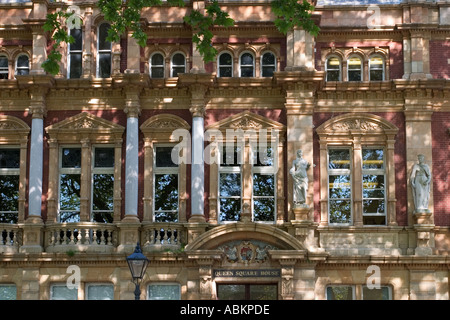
197, 111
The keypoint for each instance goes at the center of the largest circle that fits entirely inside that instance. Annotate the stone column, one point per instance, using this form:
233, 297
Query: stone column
85, 179
87, 53
132, 110
197, 162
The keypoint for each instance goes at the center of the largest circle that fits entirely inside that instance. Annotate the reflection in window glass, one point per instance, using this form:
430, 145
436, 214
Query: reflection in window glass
4, 68
263, 197
8, 292
340, 293
22, 65
354, 66
333, 69
164, 292
157, 66
104, 52
9, 184
178, 64
62, 292
75, 54
225, 65
374, 210
268, 64
70, 185
230, 196
383, 293
100, 292
339, 190
247, 65
376, 68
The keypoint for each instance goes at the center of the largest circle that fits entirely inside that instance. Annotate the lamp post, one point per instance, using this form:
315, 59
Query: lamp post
137, 263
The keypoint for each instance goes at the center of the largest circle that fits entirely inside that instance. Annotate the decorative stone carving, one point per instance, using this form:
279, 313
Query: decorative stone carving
356, 124
246, 252
420, 183
300, 177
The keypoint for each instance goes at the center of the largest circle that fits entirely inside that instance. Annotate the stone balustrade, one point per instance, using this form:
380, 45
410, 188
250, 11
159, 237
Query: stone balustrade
11, 237
160, 236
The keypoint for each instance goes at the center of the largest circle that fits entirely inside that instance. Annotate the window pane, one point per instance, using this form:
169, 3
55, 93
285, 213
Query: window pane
230, 184
264, 209
225, 72
100, 292
103, 44
71, 158
333, 63
264, 156
9, 198
157, 72
263, 184
246, 71
376, 75
263, 292
157, 59
225, 59
164, 157
354, 75
166, 197
9, 158
373, 206
164, 292
178, 59
104, 65
64, 293
372, 158
104, 158
4, 74
75, 66
23, 61
373, 182
231, 157
340, 211
103, 197
339, 159
268, 58
339, 187
78, 43
230, 209
268, 71
333, 75
339, 293
177, 70
8, 292
231, 291
4, 62
376, 294
247, 59
69, 200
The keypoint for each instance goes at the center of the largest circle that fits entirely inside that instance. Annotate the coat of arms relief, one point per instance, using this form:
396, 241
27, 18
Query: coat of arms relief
246, 252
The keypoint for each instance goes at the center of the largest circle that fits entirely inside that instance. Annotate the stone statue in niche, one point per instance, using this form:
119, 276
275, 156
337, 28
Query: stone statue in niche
420, 182
300, 177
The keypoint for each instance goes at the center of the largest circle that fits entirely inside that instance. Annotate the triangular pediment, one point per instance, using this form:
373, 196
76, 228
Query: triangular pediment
247, 121
85, 122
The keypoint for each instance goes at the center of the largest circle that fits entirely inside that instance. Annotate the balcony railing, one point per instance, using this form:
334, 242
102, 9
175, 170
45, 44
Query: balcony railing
161, 236
10, 237
81, 237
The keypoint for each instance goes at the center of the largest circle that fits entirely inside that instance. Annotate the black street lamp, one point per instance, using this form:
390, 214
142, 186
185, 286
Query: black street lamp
137, 263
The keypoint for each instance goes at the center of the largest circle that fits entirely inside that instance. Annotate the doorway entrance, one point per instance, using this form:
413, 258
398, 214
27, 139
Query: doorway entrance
247, 291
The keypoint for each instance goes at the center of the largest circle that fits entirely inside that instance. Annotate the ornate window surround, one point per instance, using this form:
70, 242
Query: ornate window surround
355, 130
246, 121
365, 53
15, 133
86, 130
167, 51
159, 130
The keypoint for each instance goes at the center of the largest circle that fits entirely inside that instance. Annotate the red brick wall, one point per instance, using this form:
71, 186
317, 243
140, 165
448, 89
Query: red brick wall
440, 124
439, 56
399, 158
396, 69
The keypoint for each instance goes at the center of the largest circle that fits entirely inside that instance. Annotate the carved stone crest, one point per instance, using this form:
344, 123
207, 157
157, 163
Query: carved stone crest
246, 252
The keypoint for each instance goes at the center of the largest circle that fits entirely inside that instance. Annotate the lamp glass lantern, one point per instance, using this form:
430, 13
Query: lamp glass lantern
137, 263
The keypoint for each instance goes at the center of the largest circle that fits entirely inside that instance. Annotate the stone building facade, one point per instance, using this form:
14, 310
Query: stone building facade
196, 161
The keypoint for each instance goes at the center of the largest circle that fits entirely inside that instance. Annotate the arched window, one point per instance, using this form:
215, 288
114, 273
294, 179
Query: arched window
75, 55
157, 65
268, 64
4, 71
178, 64
333, 69
22, 65
376, 68
225, 65
354, 69
247, 64
104, 50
